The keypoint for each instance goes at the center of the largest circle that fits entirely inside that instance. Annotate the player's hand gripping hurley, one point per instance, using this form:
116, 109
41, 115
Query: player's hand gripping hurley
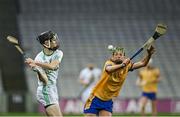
15, 42
159, 31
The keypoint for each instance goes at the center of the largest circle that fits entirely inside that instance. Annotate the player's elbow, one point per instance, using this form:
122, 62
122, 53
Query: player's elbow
143, 64
52, 67
109, 70
45, 82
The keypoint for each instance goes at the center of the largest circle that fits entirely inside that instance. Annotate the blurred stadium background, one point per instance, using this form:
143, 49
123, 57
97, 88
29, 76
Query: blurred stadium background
85, 28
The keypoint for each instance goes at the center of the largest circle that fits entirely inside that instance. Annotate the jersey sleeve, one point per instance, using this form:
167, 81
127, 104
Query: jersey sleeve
58, 56
107, 63
130, 66
39, 59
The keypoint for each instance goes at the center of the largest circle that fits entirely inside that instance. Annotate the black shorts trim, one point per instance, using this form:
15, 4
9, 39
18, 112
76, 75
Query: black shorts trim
48, 105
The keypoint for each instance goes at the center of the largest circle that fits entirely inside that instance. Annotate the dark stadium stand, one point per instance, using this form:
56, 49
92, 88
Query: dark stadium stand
86, 27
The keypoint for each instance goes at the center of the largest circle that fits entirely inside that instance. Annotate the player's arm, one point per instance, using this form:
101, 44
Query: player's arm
40, 74
111, 68
87, 84
42, 77
158, 78
82, 80
51, 66
85, 81
139, 81
143, 62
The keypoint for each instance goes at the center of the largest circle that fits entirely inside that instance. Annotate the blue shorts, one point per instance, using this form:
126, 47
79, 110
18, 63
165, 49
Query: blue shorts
94, 105
151, 96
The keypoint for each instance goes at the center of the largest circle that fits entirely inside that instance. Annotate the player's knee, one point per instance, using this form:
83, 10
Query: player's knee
53, 110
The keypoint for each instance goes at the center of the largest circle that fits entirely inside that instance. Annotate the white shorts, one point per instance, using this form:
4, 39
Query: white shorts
47, 95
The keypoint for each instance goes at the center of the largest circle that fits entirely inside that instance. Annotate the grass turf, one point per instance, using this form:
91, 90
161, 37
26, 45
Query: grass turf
81, 115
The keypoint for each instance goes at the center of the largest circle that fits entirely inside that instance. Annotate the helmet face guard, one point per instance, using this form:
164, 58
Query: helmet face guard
51, 36
118, 49
115, 58
55, 38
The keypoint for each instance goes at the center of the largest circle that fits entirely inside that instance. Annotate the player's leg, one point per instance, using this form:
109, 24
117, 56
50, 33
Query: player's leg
95, 106
105, 113
154, 104
53, 110
49, 97
107, 109
90, 107
90, 115
143, 102
154, 107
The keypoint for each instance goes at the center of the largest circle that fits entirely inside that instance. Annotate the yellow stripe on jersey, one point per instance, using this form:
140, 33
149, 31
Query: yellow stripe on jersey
89, 102
110, 84
149, 76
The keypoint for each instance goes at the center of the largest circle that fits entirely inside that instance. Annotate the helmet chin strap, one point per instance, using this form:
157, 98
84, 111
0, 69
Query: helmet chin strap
115, 61
47, 46
54, 49
118, 62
